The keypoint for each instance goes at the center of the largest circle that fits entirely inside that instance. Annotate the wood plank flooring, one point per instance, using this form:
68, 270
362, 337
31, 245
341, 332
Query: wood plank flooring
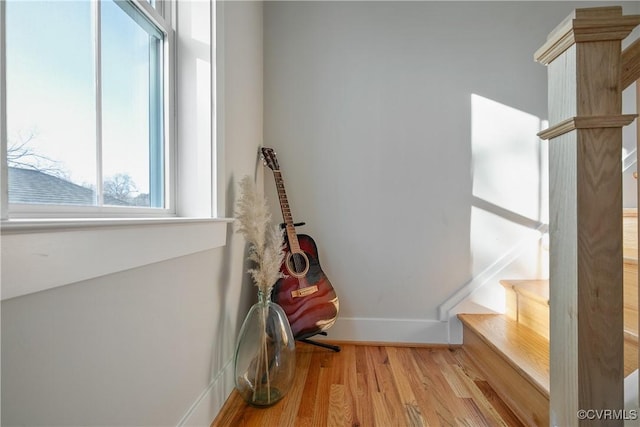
386, 386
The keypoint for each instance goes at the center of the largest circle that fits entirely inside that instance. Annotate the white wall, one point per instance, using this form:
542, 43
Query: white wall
369, 106
153, 345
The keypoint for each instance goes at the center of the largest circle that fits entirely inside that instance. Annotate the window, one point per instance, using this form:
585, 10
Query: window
87, 107
92, 234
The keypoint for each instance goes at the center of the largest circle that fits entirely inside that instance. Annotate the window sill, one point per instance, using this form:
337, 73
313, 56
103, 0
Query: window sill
43, 254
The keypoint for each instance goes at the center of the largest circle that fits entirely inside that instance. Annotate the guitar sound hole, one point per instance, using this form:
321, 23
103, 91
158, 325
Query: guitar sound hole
298, 264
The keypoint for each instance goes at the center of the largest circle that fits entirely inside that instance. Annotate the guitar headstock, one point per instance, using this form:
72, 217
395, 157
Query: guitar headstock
269, 158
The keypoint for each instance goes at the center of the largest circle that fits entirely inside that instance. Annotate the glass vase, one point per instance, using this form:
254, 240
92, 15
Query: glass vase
265, 357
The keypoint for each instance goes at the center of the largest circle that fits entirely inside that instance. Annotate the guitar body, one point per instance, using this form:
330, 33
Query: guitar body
310, 302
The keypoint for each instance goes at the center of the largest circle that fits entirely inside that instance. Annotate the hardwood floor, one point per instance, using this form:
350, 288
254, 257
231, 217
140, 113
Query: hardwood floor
378, 386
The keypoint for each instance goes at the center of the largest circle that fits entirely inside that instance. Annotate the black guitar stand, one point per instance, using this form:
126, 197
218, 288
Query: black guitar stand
335, 348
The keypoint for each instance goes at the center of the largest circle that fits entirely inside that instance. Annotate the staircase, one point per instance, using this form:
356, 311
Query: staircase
512, 349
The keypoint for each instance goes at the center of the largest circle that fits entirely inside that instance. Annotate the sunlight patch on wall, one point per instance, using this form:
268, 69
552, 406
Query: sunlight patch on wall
507, 157
509, 196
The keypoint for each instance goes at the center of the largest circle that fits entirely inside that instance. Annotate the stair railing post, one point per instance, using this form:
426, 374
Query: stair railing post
585, 204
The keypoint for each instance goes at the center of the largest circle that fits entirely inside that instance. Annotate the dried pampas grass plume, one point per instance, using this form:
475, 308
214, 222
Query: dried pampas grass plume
266, 242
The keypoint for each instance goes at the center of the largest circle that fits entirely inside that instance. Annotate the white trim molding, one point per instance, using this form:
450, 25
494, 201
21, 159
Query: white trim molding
393, 331
207, 406
38, 256
446, 309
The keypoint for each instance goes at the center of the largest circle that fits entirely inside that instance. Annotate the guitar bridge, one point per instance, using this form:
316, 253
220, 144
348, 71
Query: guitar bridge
303, 292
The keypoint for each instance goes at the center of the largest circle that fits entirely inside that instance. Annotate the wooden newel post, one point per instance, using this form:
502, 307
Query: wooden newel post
585, 179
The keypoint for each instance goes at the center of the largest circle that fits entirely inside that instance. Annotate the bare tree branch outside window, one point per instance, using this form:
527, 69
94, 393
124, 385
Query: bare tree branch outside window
20, 154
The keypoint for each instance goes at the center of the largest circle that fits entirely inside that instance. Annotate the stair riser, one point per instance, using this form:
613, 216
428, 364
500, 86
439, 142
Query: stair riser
534, 315
511, 303
526, 402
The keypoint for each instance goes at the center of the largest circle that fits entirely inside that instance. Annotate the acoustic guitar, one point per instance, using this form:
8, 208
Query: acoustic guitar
304, 293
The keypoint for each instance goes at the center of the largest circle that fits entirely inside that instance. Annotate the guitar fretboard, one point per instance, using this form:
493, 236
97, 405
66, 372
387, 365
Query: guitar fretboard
294, 246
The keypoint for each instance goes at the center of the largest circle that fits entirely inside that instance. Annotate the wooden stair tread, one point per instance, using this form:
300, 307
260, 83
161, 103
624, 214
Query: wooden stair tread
535, 289
525, 350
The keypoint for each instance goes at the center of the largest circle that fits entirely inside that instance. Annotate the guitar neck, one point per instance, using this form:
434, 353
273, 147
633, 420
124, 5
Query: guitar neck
294, 245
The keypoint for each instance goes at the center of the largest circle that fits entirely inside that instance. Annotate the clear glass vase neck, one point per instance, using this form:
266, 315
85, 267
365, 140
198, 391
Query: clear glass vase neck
264, 296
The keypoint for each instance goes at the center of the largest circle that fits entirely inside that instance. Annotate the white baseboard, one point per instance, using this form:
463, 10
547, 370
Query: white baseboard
406, 331
205, 408
455, 330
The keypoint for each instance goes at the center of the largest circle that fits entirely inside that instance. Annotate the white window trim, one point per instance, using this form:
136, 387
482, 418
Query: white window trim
37, 257
39, 254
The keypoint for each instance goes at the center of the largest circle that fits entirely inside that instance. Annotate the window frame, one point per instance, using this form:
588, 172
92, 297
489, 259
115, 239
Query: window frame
162, 17
60, 249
